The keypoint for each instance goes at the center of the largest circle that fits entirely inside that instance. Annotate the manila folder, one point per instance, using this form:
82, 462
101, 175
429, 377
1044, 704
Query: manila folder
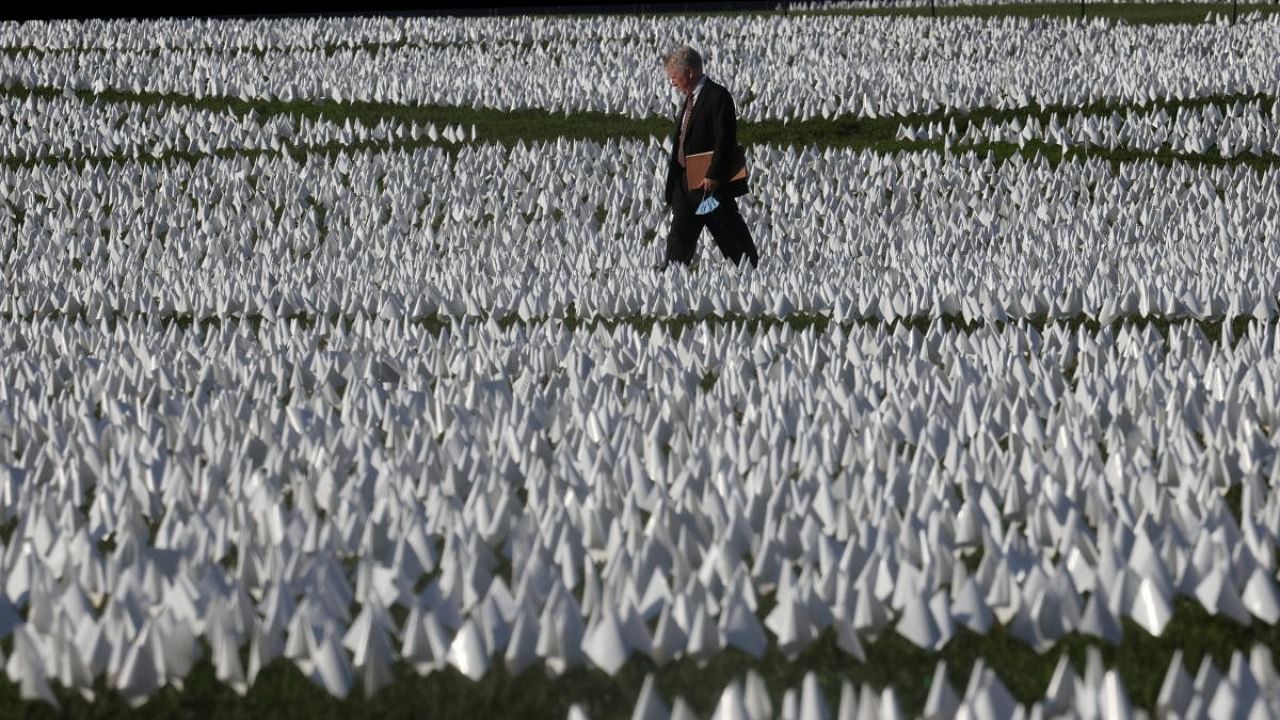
697, 165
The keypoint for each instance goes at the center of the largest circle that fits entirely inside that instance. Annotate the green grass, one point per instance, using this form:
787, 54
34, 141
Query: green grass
506, 126
282, 690
530, 126
1166, 13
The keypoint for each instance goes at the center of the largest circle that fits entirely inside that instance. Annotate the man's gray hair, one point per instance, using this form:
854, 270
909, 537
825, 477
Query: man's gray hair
683, 58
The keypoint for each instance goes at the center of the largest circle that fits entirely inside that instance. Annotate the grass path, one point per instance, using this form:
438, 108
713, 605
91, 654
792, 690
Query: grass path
529, 126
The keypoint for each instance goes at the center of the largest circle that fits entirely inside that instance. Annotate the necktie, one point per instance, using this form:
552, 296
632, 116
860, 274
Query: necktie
684, 126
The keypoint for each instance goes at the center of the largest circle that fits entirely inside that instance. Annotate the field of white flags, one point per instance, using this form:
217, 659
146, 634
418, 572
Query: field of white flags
336, 378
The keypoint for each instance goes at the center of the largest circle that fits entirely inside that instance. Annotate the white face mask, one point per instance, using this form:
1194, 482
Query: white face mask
708, 205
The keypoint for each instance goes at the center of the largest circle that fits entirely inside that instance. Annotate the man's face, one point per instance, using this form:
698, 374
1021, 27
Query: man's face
684, 82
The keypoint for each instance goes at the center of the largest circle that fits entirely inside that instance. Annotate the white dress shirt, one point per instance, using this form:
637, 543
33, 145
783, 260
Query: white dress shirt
693, 100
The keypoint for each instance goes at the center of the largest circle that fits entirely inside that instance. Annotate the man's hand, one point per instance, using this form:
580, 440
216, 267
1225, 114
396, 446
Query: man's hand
709, 185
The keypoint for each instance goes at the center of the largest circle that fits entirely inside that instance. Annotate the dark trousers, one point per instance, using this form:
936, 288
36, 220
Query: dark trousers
725, 223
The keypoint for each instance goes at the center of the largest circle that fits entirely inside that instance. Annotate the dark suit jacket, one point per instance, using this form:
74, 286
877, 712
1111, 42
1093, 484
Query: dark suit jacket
712, 127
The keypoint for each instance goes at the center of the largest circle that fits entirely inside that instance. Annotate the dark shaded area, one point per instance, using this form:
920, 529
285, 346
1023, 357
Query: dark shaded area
283, 691
1211, 328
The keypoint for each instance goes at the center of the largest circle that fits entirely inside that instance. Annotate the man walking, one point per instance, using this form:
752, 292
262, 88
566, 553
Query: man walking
707, 122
